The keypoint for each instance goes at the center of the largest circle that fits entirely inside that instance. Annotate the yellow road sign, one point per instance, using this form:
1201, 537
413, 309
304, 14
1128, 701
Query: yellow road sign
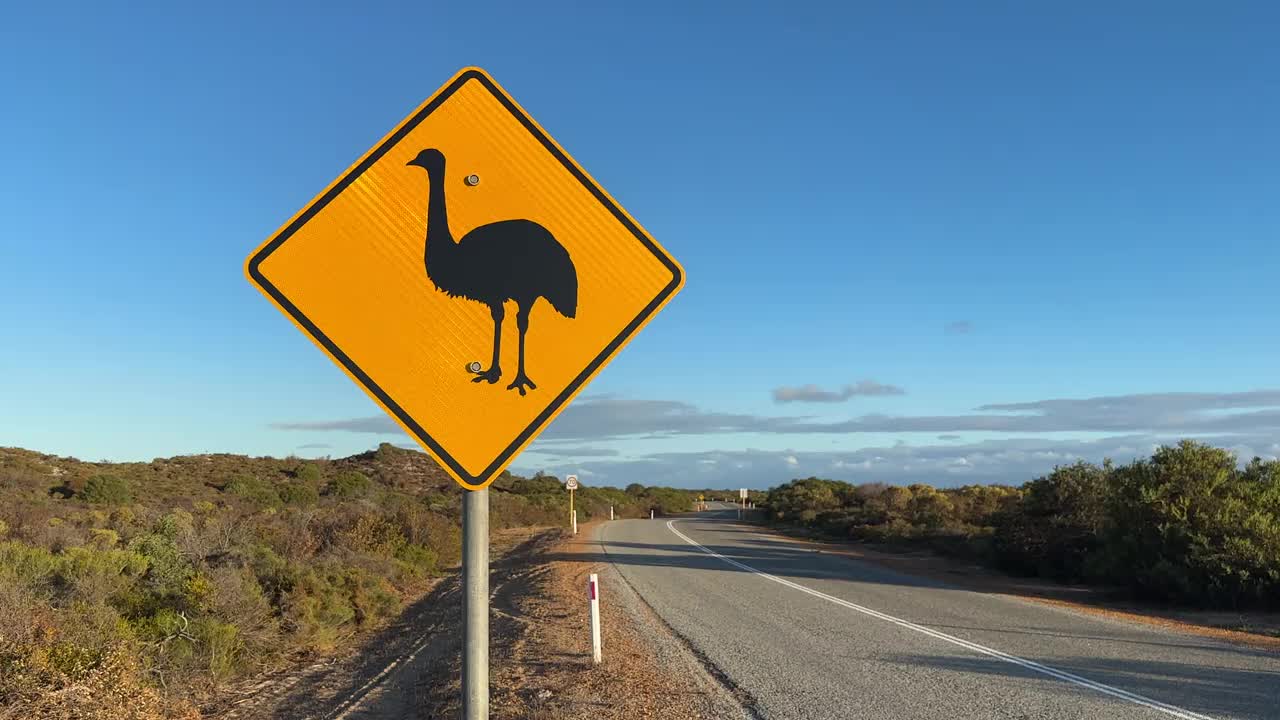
468, 275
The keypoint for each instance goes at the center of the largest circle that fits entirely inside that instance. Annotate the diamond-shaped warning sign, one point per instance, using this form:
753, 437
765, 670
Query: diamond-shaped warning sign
469, 275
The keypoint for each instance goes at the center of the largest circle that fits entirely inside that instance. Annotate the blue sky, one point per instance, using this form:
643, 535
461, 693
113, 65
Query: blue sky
978, 205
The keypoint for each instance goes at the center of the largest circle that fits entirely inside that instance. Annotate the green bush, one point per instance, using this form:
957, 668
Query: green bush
254, 490
220, 647
107, 490
308, 473
1056, 528
418, 560
349, 484
541, 484
1189, 526
297, 493
168, 571
318, 607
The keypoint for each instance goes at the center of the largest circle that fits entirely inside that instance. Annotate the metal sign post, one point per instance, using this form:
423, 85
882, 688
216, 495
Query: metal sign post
475, 582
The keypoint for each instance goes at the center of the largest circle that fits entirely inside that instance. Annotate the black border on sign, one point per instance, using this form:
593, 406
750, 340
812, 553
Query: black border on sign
506, 455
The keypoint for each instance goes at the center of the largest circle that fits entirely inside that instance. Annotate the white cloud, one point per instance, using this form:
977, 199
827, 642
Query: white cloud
815, 394
1008, 461
595, 419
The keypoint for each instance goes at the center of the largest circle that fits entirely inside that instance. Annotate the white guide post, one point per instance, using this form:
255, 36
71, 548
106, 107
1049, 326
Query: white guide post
575, 522
593, 588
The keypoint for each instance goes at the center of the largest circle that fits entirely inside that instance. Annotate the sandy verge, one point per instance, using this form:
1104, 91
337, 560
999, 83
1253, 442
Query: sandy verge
544, 670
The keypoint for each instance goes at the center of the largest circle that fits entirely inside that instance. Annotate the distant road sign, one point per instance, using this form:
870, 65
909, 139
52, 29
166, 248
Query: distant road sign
571, 482
742, 493
407, 269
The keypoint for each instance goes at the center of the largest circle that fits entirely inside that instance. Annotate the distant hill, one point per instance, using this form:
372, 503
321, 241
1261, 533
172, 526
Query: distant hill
195, 477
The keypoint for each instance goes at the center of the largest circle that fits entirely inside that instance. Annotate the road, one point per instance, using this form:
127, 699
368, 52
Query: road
807, 635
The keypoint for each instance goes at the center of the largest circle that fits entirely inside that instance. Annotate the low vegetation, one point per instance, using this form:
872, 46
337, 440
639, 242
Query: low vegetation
1187, 525
137, 590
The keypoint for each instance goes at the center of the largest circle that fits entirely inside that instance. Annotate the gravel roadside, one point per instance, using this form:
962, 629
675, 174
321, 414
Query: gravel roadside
647, 672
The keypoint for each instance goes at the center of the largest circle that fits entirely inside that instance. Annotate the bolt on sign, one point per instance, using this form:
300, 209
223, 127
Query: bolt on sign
469, 275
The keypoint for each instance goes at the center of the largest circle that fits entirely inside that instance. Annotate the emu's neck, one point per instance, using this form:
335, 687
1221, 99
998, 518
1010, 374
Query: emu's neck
439, 241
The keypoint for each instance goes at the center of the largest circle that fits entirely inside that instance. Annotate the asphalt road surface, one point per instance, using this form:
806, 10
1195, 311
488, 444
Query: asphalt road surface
821, 636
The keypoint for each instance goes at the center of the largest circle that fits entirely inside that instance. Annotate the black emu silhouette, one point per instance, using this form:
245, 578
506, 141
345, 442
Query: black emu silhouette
517, 260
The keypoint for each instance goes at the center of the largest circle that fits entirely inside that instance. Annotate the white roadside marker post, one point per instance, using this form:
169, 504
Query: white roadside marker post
593, 587
575, 522
610, 512
651, 514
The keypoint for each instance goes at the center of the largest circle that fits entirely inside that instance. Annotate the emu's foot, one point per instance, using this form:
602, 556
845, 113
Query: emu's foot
521, 382
491, 376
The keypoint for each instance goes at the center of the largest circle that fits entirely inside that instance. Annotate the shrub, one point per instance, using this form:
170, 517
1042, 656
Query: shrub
1189, 526
107, 490
373, 534
542, 484
296, 493
308, 473
122, 518
103, 538
418, 560
236, 597
318, 607
167, 570
372, 598
254, 490
1056, 527
349, 484
220, 647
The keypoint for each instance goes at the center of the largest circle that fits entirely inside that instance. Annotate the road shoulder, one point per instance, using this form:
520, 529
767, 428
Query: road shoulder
545, 670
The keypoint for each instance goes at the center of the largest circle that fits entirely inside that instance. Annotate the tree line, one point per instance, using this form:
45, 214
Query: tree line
1186, 525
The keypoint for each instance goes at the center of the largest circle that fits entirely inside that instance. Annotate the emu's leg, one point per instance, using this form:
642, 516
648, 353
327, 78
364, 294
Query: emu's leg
494, 372
522, 381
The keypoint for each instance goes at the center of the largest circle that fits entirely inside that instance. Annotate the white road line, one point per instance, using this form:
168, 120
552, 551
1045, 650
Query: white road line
1063, 675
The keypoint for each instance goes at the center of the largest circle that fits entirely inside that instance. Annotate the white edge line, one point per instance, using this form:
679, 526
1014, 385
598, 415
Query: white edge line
1063, 675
